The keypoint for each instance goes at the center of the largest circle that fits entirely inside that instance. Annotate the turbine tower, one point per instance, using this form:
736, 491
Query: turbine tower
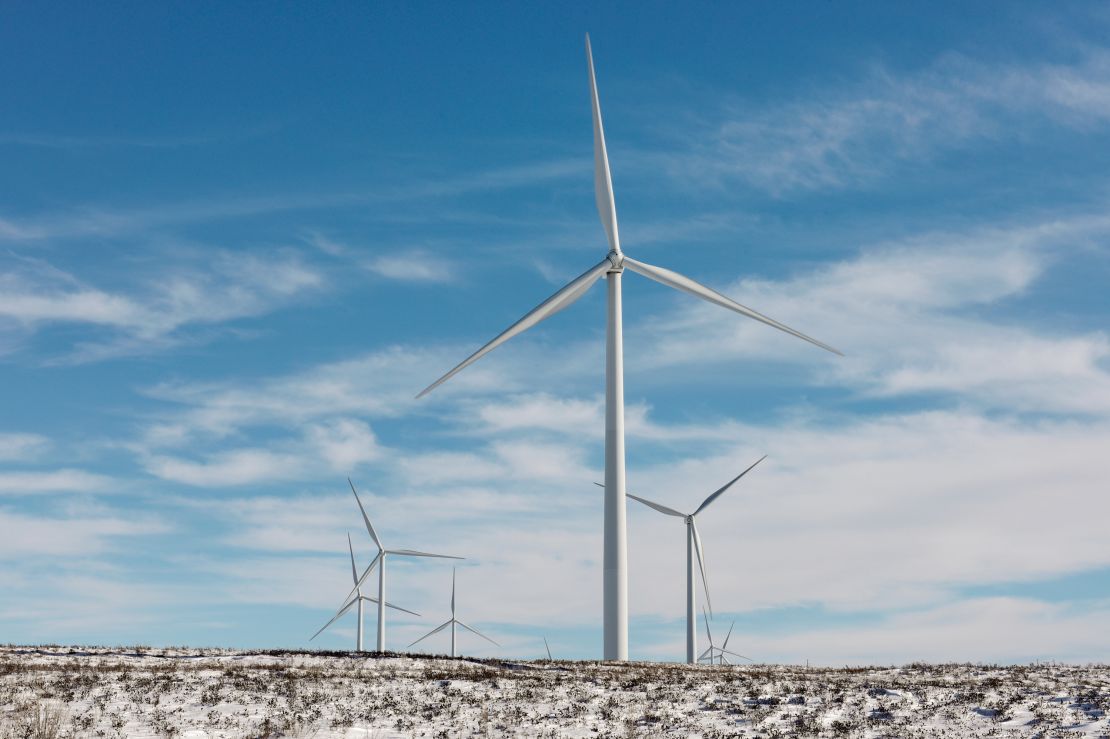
453, 622
359, 599
379, 561
615, 537
693, 549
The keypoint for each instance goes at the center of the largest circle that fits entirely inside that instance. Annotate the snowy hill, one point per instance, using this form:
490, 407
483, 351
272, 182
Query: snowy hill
137, 692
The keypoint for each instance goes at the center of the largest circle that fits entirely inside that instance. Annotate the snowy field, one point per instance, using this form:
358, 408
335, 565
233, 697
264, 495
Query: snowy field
98, 692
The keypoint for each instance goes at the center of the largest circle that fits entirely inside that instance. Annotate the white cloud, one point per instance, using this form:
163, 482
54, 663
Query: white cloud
344, 442
151, 315
30, 482
22, 447
237, 467
909, 318
414, 265
860, 133
74, 535
981, 630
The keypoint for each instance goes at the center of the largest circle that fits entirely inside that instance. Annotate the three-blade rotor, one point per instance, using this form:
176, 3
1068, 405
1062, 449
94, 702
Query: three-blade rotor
614, 261
691, 522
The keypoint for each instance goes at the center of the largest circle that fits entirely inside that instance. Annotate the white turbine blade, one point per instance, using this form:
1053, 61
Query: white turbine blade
708, 633
369, 526
701, 564
362, 578
725, 645
548, 648
657, 506
335, 618
388, 605
571, 292
414, 553
452, 592
734, 654
726, 486
434, 631
681, 282
351, 549
603, 182
705, 653
479, 633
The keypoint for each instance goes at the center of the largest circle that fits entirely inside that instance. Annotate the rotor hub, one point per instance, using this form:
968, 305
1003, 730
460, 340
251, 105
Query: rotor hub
617, 260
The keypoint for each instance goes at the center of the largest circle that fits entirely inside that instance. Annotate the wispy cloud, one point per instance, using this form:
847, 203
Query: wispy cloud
858, 133
28, 482
21, 447
151, 315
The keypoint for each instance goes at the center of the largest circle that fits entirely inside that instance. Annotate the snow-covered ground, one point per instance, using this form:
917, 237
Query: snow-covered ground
61, 691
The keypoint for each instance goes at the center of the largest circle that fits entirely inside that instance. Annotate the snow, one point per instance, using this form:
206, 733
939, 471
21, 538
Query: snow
136, 692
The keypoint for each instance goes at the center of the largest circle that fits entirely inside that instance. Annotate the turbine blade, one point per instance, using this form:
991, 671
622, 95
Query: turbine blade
479, 633
362, 578
452, 592
548, 648
728, 634
335, 618
436, 630
681, 282
571, 292
734, 654
706, 652
708, 633
657, 506
351, 549
387, 604
369, 526
414, 553
726, 486
701, 564
603, 182
396, 608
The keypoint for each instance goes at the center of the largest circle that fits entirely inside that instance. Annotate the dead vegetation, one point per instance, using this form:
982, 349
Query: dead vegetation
64, 692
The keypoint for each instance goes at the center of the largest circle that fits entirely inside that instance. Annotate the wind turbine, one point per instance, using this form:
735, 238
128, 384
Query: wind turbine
379, 560
715, 652
453, 622
615, 538
693, 549
359, 598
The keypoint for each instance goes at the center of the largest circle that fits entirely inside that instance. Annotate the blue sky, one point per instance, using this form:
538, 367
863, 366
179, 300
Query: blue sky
235, 241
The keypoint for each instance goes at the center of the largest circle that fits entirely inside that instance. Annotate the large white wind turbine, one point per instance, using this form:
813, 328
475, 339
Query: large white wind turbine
379, 561
713, 652
453, 622
616, 557
359, 598
694, 549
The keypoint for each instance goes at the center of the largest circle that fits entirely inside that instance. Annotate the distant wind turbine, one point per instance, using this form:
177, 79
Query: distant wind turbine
693, 549
548, 648
453, 622
715, 652
379, 560
615, 539
359, 599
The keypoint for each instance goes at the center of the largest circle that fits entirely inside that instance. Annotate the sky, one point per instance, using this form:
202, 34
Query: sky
237, 239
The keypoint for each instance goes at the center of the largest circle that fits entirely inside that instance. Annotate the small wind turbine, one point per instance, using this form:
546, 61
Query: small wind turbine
379, 560
715, 652
693, 549
360, 598
615, 546
452, 622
